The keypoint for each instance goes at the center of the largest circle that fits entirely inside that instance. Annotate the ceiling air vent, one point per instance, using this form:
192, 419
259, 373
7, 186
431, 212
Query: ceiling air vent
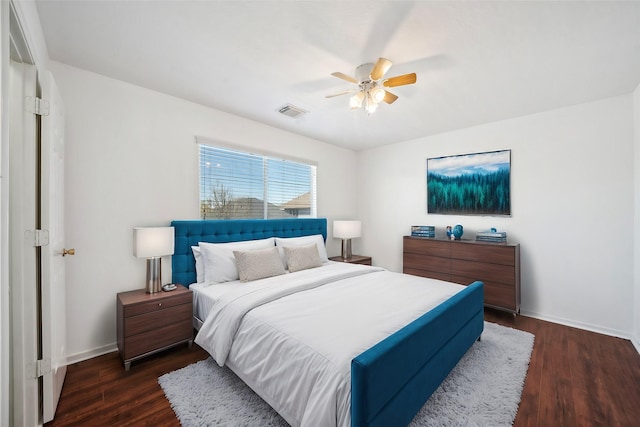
292, 111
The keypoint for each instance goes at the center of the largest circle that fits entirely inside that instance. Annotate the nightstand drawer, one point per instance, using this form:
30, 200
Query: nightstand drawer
156, 319
156, 304
158, 338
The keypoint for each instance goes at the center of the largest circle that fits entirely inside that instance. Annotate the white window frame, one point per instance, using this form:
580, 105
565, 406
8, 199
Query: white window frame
266, 158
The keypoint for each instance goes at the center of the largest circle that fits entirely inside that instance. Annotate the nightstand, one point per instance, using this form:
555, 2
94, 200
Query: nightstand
149, 323
355, 259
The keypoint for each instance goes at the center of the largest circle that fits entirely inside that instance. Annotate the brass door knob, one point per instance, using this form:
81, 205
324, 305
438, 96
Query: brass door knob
68, 252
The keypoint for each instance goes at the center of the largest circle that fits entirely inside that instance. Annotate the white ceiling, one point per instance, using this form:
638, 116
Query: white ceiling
476, 62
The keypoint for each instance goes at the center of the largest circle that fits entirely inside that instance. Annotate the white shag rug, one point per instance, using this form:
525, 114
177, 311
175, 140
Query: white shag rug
483, 389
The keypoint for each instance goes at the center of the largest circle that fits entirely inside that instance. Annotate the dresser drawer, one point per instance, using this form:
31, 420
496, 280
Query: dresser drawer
156, 319
158, 338
438, 248
484, 271
433, 263
155, 304
426, 273
500, 295
487, 253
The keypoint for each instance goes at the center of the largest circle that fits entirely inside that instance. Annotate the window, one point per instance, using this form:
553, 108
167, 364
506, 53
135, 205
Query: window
235, 184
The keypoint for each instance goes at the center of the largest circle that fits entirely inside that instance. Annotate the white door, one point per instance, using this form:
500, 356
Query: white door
53, 255
23, 260
36, 279
38, 338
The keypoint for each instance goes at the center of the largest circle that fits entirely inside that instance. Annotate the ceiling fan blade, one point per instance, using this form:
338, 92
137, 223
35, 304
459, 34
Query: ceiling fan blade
380, 68
389, 98
344, 77
341, 93
405, 79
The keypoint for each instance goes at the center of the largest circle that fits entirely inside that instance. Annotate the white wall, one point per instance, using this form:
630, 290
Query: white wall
636, 119
572, 207
132, 160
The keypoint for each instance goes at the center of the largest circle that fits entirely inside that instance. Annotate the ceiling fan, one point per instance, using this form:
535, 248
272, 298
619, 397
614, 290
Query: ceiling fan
371, 85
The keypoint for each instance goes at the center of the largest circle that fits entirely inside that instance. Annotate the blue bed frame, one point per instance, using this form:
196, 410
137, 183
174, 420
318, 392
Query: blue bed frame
392, 380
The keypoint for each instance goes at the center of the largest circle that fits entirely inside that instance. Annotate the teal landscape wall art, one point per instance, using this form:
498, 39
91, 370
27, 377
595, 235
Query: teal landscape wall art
470, 184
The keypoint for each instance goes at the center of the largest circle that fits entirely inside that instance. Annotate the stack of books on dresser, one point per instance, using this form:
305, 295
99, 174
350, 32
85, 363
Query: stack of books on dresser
423, 231
492, 236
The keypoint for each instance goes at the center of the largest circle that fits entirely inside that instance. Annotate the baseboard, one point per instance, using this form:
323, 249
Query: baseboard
636, 343
90, 354
580, 325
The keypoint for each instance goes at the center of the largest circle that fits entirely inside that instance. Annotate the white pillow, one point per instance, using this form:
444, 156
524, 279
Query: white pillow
199, 266
219, 262
302, 241
258, 264
302, 257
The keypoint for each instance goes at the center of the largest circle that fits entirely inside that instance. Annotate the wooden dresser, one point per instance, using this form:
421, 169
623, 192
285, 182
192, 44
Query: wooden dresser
148, 323
465, 261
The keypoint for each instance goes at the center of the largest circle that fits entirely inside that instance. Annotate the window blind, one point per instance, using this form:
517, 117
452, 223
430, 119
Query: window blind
236, 184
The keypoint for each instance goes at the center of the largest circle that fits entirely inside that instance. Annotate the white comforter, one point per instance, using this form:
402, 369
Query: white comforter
292, 338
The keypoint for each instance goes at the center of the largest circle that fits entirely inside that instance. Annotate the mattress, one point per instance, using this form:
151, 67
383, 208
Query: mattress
291, 338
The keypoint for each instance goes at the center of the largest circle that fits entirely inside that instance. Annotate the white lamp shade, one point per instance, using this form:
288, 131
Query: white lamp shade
149, 242
347, 229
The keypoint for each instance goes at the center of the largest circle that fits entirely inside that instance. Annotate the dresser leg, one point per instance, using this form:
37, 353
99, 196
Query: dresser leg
190, 343
127, 366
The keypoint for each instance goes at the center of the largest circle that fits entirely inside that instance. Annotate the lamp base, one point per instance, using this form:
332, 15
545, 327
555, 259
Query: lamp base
154, 275
346, 249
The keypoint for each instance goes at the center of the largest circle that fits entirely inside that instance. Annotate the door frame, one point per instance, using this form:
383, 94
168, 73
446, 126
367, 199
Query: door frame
23, 262
5, 347
21, 34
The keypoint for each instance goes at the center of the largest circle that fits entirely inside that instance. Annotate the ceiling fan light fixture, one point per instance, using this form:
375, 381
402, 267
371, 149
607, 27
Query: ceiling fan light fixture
377, 94
371, 107
371, 82
355, 101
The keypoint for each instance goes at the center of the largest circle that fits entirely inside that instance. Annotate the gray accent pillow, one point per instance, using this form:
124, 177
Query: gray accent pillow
302, 257
218, 260
258, 264
281, 242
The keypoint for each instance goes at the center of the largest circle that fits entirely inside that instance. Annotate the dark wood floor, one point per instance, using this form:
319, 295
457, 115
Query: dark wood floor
575, 378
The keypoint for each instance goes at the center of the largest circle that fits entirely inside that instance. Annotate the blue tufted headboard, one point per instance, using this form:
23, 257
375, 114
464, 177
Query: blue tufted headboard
189, 232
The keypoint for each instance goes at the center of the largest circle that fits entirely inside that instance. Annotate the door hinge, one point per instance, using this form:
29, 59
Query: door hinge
43, 367
37, 237
37, 106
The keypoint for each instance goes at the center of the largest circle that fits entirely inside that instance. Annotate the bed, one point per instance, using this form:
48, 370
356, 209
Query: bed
388, 380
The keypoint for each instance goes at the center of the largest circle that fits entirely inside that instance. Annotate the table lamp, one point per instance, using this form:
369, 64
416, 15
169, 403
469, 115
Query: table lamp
346, 230
153, 243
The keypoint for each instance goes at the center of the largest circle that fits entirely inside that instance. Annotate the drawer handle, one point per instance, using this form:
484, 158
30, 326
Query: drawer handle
159, 304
